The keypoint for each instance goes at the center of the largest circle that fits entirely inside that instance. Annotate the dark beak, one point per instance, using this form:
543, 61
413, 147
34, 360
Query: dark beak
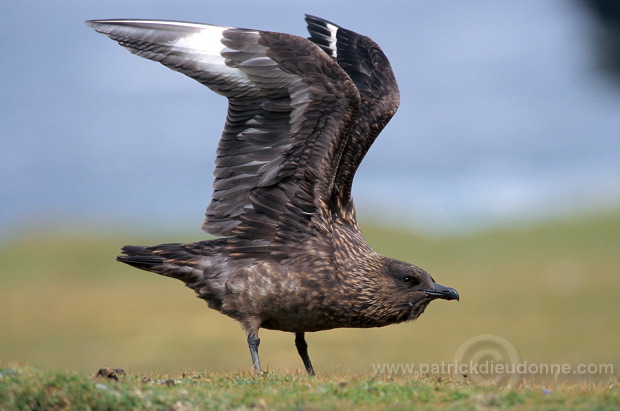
440, 291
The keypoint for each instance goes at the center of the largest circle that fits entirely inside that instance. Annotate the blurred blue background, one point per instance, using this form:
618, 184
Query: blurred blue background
507, 114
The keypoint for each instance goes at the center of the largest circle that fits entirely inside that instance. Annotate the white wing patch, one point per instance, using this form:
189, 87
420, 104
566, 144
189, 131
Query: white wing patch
204, 48
206, 41
190, 46
333, 30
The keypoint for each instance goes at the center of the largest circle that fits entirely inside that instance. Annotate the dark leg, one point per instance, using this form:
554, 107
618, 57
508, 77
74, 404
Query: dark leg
302, 349
253, 342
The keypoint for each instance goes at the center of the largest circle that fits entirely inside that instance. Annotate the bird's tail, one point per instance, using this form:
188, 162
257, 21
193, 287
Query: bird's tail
191, 263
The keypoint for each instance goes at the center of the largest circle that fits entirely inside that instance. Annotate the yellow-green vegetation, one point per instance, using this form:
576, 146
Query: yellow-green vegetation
551, 289
27, 388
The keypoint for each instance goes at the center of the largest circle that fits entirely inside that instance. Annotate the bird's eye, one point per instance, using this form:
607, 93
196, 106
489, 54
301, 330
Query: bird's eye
410, 280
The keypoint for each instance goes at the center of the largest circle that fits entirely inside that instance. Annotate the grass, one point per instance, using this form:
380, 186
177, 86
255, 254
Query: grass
25, 388
551, 289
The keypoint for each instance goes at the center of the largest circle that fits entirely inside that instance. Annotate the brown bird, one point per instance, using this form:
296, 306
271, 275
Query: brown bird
302, 113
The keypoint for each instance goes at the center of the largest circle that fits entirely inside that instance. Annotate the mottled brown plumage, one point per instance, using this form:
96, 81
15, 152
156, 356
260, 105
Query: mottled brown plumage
302, 114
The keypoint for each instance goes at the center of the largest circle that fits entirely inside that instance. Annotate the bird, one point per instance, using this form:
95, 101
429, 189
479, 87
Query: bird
288, 253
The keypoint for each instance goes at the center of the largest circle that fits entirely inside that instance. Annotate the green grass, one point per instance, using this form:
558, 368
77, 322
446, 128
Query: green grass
27, 388
551, 289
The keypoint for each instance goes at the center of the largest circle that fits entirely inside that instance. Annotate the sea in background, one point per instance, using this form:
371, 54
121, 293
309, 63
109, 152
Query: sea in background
510, 112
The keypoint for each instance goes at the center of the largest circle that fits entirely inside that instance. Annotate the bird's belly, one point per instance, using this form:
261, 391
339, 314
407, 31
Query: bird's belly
298, 323
284, 300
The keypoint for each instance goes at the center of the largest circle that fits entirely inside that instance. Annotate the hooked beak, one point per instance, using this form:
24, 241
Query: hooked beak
443, 292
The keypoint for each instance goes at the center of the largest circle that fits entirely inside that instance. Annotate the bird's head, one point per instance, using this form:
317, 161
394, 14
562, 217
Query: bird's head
412, 288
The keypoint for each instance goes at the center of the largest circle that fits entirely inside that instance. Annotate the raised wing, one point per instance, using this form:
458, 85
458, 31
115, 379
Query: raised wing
291, 109
364, 62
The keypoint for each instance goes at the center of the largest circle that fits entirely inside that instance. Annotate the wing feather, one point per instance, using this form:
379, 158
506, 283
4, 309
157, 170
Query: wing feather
291, 110
368, 67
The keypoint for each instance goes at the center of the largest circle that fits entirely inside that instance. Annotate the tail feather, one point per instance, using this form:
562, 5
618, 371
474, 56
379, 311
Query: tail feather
202, 266
135, 259
171, 260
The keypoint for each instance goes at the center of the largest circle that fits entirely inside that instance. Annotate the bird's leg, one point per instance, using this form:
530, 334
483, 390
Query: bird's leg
253, 342
302, 349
